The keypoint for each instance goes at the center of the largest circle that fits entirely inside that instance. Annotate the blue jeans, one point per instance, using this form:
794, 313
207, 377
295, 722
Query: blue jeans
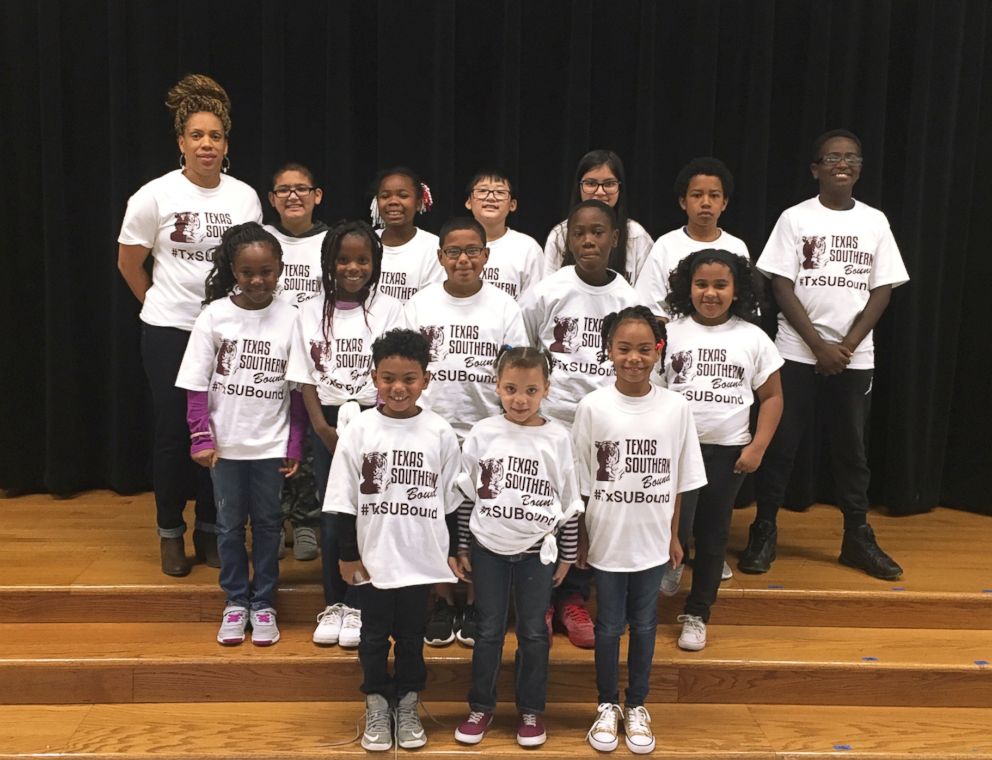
494, 576
246, 488
623, 598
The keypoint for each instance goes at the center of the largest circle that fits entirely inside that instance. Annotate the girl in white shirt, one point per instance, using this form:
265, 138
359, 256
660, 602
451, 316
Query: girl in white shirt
637, 452
600, 176
409, 253
520, 476
718, 359
245, 424
332, 361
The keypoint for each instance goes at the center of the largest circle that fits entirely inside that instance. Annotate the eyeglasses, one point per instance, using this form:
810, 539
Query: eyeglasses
610, 186
499, 193
851, 159
473, 252
284, 191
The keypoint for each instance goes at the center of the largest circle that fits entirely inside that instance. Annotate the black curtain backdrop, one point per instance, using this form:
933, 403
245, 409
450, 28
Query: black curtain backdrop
450, 86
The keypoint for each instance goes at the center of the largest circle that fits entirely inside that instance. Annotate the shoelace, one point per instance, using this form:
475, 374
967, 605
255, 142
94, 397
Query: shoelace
234, 617
607, 720
377, 721
352, 619
263, 617
576, 614
528, 719
694, 623
637, 721
475, 717
334, 609
407, 718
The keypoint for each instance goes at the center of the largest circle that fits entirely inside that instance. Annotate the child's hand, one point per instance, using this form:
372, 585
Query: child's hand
461, 566
832, 358
353, 572
328, 436
675, 553
206, 458
749, 460
560, 572
290, 467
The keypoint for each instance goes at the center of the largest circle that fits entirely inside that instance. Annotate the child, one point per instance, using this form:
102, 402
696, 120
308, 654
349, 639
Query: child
703, 188
600, 176
332, 360
294, 196
392, 483
636, 449
409, 254
564, 314
515, 260
240, 420
521, 477
465, 321
718, 358
833, 263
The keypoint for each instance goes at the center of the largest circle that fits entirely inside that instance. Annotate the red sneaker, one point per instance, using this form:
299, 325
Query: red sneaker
530, 730
474, 727
574, 618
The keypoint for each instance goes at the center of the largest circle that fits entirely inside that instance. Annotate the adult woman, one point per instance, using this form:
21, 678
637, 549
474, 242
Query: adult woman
178, 219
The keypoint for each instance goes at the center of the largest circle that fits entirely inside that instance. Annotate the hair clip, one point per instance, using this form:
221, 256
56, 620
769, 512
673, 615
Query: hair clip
427, 200
660, 345
507, 347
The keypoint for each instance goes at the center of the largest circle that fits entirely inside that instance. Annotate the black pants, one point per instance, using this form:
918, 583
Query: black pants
175, 476
714, 507
578, 582
846, 400
400, 613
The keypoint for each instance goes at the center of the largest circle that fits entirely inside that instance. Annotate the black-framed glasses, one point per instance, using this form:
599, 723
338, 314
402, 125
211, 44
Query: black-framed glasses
284, 191
499, 193
851, 159
472, 251
610, 186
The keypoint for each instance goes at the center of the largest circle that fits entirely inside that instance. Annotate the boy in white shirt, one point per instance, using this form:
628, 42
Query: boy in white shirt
833, 263
393, 488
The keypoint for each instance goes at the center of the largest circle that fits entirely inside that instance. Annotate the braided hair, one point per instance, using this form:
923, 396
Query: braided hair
613, 321
220, 280
196, 93
329, 250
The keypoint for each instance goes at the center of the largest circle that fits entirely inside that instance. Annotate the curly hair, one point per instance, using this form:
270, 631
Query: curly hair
196, 93
747, 288
220, 282
613, 320
407, 344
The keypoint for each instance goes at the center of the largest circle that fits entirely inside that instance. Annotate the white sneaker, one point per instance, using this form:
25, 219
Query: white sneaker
671, 579
693, 636
264, 631
378, 736
603, 734
637, 730
351, 628
727, 573
329, 625
232, 626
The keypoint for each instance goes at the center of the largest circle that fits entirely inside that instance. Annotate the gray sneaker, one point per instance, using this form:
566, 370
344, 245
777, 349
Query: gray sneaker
410, 732
671, 579
305, 544
378, 736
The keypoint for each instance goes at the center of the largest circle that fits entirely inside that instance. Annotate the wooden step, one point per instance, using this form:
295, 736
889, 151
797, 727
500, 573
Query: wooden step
320, 730
156, 662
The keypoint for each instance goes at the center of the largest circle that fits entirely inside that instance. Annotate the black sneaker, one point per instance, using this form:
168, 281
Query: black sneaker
469, 627
860, 550
760, 551
440, 625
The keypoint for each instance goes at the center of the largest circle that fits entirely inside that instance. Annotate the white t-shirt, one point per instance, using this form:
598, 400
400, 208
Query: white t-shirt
564, 315
301, 273
522, 480
667, 252
717, 370
515, 264
835, 258
411, 267
340, 365
465, 334
239, 356
399, 477
639, 244
182, 223
633, 457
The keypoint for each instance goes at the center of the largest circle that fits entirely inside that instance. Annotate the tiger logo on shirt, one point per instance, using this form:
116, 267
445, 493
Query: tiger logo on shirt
320, 355
226, 355
491, 476
683, 367
187, 228
566, 335
435, 341
608, 461
814, 252
373, 472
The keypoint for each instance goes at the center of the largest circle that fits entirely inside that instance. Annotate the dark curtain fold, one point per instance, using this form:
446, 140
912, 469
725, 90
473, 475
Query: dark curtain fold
450, 86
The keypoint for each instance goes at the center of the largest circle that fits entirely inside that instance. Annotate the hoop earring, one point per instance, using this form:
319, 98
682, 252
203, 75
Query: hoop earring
225, 164
182, 161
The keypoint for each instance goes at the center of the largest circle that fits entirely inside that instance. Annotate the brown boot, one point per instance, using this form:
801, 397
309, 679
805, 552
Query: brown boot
174, 560
205, 545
